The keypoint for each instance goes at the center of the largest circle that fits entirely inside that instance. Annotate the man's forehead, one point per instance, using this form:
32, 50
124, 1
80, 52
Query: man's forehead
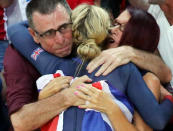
62, 9
47, 21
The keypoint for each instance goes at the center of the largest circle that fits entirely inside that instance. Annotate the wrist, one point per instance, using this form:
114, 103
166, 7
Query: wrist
68, 97
113, 109
132, 53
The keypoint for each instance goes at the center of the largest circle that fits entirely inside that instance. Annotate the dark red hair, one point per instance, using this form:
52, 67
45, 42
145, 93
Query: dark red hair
141, 31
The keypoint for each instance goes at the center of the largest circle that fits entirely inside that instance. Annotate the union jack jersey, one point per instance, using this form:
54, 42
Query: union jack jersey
92, 120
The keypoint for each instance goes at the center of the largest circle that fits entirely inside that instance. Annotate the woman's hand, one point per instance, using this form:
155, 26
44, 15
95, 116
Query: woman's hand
95, 98
80, 81
71, 98
55, 86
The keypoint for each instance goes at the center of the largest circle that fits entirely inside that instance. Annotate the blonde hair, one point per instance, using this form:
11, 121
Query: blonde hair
90, 28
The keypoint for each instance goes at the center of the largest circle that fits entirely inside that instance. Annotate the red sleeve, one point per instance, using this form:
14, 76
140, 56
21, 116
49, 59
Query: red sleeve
20, 78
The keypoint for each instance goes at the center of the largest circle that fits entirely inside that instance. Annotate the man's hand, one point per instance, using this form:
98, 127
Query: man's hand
70, 98
81, 80
111, 59
55, 86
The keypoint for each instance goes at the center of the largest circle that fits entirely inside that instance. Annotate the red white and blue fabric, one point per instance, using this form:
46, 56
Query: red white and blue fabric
93, 120
36, 53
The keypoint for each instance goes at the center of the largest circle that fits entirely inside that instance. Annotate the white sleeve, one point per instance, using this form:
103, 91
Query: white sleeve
154, 10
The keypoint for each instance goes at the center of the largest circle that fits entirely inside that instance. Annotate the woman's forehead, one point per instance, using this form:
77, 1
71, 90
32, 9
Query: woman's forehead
123, 17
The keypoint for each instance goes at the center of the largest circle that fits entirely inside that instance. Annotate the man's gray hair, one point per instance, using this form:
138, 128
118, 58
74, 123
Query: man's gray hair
44, 7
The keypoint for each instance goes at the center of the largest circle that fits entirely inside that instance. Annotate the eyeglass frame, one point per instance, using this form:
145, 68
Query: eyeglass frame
59, 29
121, 26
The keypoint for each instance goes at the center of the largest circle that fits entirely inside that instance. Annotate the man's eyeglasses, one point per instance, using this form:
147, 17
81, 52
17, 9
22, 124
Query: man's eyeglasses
52, 32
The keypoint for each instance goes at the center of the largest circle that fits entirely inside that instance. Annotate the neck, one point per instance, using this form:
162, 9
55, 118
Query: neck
167, 8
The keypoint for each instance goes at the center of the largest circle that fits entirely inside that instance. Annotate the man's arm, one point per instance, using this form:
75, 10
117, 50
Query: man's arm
34, 115
40, 112
25, 112
153, 63
125, 54
5, 3
143, 4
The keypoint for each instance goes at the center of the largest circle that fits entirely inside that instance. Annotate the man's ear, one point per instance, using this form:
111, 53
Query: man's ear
34, 35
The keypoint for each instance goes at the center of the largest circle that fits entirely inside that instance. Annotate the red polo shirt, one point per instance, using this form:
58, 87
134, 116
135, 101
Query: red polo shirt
74, 3
20, 78
2, 25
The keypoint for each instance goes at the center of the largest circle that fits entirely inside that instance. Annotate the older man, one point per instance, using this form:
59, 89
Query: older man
50, 26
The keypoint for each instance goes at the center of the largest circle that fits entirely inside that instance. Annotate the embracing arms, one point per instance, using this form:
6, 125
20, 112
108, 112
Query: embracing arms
26, 112
125, 54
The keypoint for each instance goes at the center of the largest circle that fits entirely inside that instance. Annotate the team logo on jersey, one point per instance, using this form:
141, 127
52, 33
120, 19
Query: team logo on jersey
36, 53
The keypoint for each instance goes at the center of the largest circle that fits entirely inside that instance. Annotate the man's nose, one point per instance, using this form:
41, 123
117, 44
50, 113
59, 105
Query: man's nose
59, 37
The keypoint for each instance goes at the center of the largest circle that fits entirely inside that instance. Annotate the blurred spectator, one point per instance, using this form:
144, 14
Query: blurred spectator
11, 12
4, 121
16, 11
74, 3
114, 6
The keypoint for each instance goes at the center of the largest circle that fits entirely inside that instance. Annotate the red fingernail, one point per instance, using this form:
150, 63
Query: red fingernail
79, 107
78, 87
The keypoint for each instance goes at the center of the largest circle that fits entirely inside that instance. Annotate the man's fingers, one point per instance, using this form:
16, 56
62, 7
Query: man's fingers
103, 68
111, 68
95, 63
85, 90
65, 85
91, 63
85, 78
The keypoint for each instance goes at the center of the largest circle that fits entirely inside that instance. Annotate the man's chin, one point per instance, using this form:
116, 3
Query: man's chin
64, 54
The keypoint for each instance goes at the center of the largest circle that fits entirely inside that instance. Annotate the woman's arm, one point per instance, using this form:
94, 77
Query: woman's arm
154, 114
153, 84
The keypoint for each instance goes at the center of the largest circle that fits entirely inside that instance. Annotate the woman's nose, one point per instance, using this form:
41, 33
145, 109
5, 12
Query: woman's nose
112, 30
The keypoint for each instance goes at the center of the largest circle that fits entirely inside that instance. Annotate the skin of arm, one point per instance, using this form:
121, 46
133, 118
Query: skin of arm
39, 112
158, 67
125, 54
5, 3
42, 111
